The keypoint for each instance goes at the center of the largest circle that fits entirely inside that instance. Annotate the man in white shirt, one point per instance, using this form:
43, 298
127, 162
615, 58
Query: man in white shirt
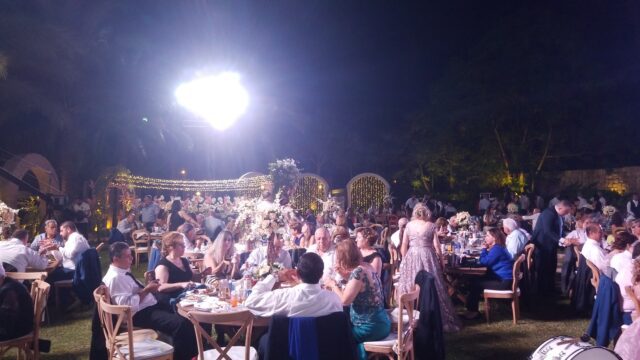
516, 238
16, 253
75, 244
307, 299
327, 251
125, 289
396, 237
592, 249
259, 256
50, 234
128, 224
625, 278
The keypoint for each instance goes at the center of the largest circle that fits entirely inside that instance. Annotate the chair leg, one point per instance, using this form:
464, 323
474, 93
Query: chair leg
487, 308
515, 305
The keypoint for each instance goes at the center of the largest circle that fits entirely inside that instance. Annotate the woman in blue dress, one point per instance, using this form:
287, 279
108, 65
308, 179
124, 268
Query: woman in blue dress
363, 293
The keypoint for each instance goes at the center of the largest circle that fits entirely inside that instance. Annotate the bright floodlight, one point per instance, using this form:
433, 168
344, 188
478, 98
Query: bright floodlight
219, 99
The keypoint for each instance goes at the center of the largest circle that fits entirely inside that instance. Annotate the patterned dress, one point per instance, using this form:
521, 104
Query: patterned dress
422, 256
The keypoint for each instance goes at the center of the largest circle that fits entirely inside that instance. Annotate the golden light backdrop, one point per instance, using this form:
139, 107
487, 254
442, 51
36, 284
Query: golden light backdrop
366, 189
310, 188
251, 184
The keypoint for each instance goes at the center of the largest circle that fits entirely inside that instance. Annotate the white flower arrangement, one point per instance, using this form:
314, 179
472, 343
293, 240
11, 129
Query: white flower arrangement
462, 218
609, 210
7, 214
512, 208
265, 269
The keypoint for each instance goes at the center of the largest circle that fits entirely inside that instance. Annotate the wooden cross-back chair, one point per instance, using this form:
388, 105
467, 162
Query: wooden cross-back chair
230, 351
399, 342
595, 275
513, 294
141, 244
30, 276
28, 344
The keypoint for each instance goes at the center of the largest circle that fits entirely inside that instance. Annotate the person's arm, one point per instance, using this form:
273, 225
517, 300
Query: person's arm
122, 292
404, 247
438, 248
162, 275
36, 259
489, 258
35, 244
377, 265
264, 302
286, 259
629, 207
351, 290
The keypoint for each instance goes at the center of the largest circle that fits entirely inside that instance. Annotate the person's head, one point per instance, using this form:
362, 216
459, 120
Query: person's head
310, 268
402, 222
421, 212
320, 219
67, 228
200, 220
366, 238
341, 231
594, 232
188, 230
341, 220
131, 216
147, 200
441, 223
635, 228
120, 255
494, 237
509, 225
348, 256
223, 246
21, 234
51, 228
296, 228
323, 239
617, 220
622, 240
173, 244
308, 229
563, 207
176, 206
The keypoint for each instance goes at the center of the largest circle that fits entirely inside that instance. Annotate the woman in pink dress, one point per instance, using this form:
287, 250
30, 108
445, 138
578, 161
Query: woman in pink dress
421, 251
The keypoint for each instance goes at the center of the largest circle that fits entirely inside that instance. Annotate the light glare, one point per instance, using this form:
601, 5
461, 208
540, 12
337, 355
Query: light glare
219, 99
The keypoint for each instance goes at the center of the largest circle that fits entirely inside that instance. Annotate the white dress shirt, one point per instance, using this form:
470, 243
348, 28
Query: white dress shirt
35, 244
579, 234
621, 260
593, 252
258, 257
16, 253
395, 238
125, 227
302, 300
70, 253
624, 279
124, 290
328, 258
515, 242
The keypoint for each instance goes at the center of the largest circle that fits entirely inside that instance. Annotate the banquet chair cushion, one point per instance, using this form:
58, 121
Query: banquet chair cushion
505, 292
236, 352
393, 315
389, 341
147, 348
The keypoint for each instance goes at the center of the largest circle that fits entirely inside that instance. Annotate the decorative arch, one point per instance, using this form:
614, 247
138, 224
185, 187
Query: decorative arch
19, 166
254, 193
311, 187
366, 189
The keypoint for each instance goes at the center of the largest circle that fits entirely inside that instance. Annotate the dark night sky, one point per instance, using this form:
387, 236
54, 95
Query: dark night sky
313, 69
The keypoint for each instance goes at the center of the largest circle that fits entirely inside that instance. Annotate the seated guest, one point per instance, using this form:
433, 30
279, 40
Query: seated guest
221, 257
127, 225
499, 275
173, 271
125, 289
635, 228
148, 212
16, 308
620, 256
365, 240
575, 238
592, 249
396, 237
269, 254
325, 248
50, 234
629, 277
161, 220
307, 235
16, 253
74, 245
516, 237
296, 233
363, 293
189, 232
213, 225
306, 299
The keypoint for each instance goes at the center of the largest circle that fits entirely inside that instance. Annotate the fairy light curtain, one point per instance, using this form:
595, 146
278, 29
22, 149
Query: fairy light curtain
366, 189
311, 187
249, 184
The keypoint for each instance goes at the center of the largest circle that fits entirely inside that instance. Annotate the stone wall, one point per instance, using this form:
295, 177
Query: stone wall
623, 180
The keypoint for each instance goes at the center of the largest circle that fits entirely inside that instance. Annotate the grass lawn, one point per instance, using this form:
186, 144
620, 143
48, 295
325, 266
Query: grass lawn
70, 333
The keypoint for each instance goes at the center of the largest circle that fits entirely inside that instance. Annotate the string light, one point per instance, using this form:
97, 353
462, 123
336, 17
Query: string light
310, 189
139, 182
367, 190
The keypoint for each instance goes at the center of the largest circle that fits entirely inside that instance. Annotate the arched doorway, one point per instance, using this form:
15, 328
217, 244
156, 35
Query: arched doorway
366, 189
34, 169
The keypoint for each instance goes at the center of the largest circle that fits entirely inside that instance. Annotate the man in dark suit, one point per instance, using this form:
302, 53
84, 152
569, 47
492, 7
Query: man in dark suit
545, 236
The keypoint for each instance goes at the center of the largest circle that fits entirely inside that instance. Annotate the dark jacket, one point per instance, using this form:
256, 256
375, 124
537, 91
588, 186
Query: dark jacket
16, 310
606, 318
428, 338
88, 275
583, 291
547, 232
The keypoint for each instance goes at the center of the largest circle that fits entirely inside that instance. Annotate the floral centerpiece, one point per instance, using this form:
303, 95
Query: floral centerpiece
462, 219
7, 215
265, 269
284, 174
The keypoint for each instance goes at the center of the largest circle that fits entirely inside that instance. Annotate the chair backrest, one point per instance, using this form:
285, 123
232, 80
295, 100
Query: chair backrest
100, 247
21, 276
529, 250
140, 236
234, 318
517, 273
595, 275
101, 293
39, 294
405, 336
113, 319
577, 251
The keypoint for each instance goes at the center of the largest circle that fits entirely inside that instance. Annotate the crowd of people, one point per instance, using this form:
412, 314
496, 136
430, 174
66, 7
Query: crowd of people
343, 259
